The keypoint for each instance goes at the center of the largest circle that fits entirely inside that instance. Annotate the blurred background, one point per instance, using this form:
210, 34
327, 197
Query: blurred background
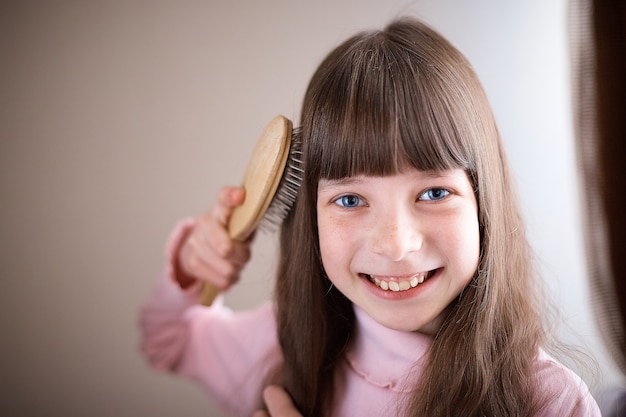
117, 118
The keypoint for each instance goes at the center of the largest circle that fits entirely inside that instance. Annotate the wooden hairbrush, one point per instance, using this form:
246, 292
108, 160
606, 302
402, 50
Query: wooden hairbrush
271, 182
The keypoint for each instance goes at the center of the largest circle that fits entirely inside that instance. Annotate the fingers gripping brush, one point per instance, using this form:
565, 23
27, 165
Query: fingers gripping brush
271, 183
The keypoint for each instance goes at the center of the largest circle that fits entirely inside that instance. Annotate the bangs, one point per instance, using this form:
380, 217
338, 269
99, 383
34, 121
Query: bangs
381, 108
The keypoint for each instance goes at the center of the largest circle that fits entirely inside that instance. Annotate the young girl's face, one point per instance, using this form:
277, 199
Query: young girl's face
400, 247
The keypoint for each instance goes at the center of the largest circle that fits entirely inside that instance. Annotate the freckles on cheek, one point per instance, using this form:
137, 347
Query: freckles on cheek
333, 236
326, 231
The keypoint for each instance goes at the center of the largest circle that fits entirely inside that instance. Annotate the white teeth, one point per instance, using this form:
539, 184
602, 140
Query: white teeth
398, 285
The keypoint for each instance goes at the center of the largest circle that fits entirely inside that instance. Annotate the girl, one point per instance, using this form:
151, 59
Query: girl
405, 284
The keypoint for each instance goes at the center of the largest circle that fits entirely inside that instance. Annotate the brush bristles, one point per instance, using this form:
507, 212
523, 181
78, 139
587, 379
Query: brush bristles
287, 190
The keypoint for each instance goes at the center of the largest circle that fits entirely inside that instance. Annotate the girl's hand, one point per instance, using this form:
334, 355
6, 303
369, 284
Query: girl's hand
208, 253
278, 403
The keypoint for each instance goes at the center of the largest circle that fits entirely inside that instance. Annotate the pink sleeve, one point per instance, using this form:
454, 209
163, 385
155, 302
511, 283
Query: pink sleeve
564, 392
232, 355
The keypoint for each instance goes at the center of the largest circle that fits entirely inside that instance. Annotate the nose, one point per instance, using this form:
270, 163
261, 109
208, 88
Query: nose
395, 233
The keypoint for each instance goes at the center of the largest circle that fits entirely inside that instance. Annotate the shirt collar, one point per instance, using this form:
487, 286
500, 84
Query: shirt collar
386, 357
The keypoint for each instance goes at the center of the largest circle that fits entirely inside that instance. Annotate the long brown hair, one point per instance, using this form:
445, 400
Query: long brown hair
379, 102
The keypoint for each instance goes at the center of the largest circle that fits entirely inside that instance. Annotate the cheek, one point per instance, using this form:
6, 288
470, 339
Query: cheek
469, 244
326, 239
329, 233
461, 243
335, 239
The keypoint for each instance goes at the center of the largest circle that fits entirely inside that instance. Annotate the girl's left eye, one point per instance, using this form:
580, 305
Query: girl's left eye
434, 194
349, 201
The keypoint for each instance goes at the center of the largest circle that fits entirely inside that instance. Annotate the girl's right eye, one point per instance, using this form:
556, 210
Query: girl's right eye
349, 201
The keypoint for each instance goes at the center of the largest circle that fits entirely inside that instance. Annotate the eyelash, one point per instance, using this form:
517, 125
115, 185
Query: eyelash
342, 200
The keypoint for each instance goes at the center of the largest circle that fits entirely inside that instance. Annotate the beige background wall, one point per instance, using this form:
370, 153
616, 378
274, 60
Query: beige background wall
117, 118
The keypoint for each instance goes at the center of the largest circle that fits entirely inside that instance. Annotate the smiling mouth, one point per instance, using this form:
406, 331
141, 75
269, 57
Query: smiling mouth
396, 284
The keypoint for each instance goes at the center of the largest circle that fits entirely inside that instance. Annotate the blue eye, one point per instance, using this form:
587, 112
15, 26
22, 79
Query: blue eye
349, 201
434, 194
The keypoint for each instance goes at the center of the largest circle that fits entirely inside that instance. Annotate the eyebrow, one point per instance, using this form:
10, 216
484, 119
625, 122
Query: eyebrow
437, 174
341, 181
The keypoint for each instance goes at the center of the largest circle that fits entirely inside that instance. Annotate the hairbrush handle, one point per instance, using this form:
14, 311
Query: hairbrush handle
261, 183
209, 294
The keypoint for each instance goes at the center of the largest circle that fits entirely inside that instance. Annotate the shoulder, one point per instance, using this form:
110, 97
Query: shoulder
561, 391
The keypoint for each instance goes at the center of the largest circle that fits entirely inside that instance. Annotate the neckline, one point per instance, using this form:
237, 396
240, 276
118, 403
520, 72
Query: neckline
385, 357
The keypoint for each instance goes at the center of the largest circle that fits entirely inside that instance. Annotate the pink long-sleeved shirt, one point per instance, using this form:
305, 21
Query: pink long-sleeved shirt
233, 355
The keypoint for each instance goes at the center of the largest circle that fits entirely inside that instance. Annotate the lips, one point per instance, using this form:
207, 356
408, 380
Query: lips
399, 283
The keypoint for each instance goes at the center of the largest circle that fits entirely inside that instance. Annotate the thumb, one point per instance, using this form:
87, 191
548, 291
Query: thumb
279, 403
227, 199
